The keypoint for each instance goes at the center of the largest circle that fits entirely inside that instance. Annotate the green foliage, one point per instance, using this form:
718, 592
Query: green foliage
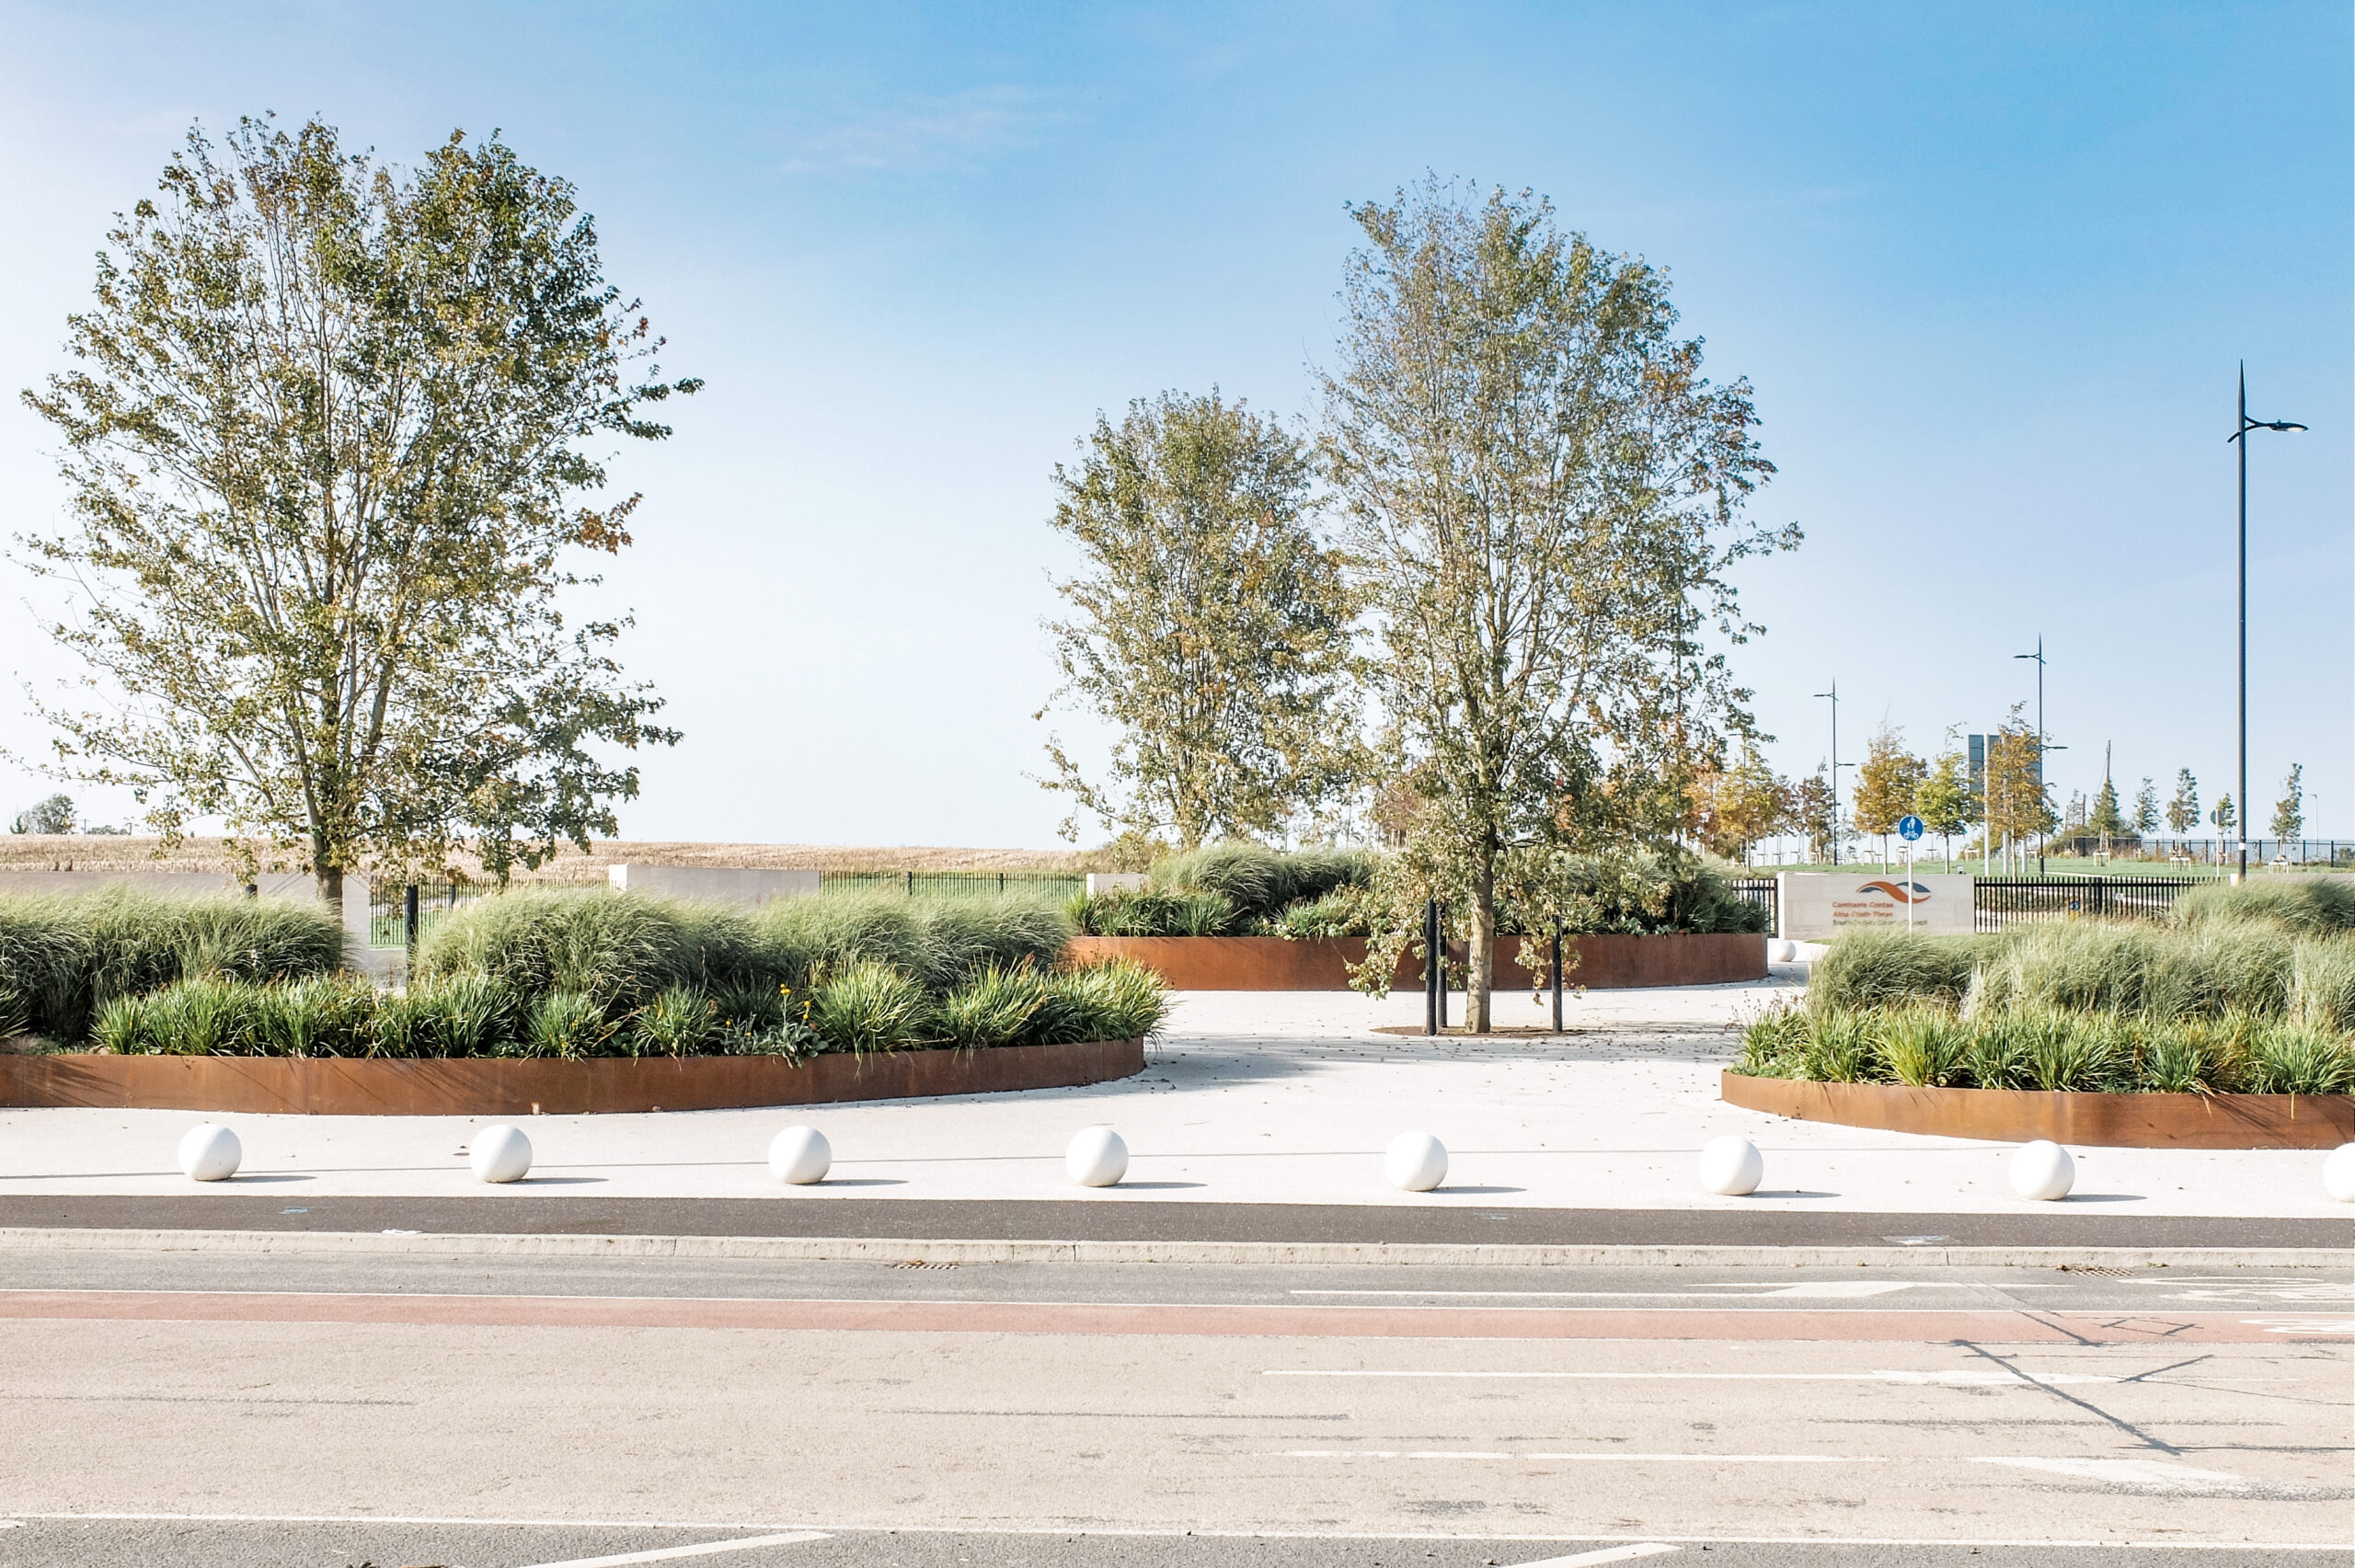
2321, 985
2309, 905
1345, 911
1261, 883
620, 949
1212, 628
1142, 912
331, 431
1840, 1047
1873, 968
1924, 1045
65, 956
1113, 1000
675, 1023
2296, 1059
570, 1024
994, 1008
1774, 1044
869, 1006
1543, 497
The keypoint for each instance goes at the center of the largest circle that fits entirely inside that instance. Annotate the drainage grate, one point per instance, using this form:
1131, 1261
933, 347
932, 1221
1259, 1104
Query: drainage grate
2100, 1269
919, 1262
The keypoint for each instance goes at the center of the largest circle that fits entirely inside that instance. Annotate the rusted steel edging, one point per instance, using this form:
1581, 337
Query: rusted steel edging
1274, 963
2013, 1116
511, 1086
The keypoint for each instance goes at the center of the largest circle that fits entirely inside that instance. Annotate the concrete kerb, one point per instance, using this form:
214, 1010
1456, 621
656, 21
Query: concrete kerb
818, 1249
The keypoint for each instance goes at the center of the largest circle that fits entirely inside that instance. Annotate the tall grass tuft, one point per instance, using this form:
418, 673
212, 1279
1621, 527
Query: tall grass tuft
1871, 969
65, 956
2297, 1059
1119, 999
869, 1006
1147, 912
1924, 1045
2314, 906
2322, 984
994, 1008
620, 950
1840, 1047
1260, 883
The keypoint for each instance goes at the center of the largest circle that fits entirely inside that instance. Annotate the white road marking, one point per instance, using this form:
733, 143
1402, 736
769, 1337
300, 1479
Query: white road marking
668, 1553
1825, 1289
2337, 1328
1615, 1458
1973, 1377
1608, 1555
2131, 1472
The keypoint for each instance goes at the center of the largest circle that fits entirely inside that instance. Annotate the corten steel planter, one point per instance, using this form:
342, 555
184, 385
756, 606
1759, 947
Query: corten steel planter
1270, 963
484, 1086
2100, 1121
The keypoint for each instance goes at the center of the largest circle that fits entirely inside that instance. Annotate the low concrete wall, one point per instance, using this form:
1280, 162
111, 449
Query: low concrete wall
1272, 963
2100, 1121
749, 885
498, 1086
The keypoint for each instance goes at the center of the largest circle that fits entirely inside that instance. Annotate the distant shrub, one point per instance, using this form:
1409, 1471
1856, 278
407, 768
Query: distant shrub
1875, 969
1261, 883
2312, 905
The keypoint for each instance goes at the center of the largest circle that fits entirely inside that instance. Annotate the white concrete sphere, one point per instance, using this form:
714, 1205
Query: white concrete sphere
211, 1153
1415, 1162
2043, 1170
800, 1155
2338, 1173
1097, 1158
1732, 1166
1782, 950
500, 1153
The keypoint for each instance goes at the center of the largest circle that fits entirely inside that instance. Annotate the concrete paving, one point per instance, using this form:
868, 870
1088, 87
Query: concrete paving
1249, 1097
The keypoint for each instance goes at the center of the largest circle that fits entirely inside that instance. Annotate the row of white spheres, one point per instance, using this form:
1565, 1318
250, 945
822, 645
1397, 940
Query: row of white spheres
1099, 1157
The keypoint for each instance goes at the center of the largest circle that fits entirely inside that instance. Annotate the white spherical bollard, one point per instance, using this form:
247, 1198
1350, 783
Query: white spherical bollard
1732, 1166
500, 1153
1097, 1158
2338, 1173
1781, 950
801, 1156
2042, 1171
211, 1153
1415, 1162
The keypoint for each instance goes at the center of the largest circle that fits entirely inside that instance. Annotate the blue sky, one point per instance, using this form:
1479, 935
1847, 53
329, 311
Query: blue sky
1989, 269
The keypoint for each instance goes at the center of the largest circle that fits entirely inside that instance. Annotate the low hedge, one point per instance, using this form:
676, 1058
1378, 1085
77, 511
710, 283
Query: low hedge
1928, 1045
866, 1006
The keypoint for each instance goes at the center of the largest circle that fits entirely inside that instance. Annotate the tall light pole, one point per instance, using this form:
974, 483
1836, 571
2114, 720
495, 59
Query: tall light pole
2240, 438
1834, 696
2038, 656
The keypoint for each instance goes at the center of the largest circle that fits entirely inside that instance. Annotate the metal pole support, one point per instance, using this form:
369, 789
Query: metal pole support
1555, 960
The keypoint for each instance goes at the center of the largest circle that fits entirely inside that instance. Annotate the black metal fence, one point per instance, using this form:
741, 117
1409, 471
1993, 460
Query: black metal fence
1761, 891
389, 910
2005, 901
955, 884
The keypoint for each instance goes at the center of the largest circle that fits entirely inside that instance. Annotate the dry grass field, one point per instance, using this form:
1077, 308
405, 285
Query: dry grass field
78, 851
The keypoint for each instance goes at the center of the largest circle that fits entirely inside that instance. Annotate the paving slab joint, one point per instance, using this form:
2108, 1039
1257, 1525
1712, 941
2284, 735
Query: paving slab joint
829, 1249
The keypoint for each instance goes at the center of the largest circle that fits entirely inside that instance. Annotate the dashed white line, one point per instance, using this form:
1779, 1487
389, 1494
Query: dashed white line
1973, 1377
2148, 1473
1608, 1555
1606, 1458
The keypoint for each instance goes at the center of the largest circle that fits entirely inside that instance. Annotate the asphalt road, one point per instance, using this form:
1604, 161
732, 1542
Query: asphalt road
224, 1410
791, 1213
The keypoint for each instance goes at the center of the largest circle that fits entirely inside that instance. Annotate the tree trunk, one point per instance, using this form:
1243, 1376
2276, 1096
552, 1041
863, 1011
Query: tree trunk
1480, 965
330, 883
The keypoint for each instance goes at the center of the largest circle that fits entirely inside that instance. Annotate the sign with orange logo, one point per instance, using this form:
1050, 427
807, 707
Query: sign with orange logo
1815, 906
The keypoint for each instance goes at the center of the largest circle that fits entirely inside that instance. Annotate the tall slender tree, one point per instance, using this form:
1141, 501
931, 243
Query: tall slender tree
1542, 495
331, 435
2146, 808
1212, 627
2183, 807
2289, 812
1886, 786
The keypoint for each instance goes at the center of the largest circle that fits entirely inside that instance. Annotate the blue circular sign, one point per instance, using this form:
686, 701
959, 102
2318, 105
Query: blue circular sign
1909, 829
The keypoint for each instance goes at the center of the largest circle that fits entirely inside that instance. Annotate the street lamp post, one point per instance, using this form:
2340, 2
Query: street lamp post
2041, 748
2240, 438
1834, 696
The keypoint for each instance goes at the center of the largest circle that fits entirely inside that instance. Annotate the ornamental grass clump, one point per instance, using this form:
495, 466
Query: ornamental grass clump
1924, 1045
620, 950
1260, 883
1883, 969
869, 1006
2296, 1059
568, 1024
995, 1008
1145, 912
65, 956
2313, 906
1840, 1047
1119, 999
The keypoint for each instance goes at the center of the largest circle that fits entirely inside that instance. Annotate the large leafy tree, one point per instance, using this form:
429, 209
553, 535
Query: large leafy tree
1946, 800
2019, 803
1542, 494
329, 432
1212, 628
1886, 785
1739, 804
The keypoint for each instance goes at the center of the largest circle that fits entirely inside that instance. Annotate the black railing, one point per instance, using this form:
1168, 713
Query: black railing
1761, 891
955, 884
391, 910
2002, 902
2205, 852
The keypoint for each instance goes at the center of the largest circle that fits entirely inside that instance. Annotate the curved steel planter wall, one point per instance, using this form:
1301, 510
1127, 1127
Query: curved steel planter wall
2101, 1121
1270, 963
495, 1086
